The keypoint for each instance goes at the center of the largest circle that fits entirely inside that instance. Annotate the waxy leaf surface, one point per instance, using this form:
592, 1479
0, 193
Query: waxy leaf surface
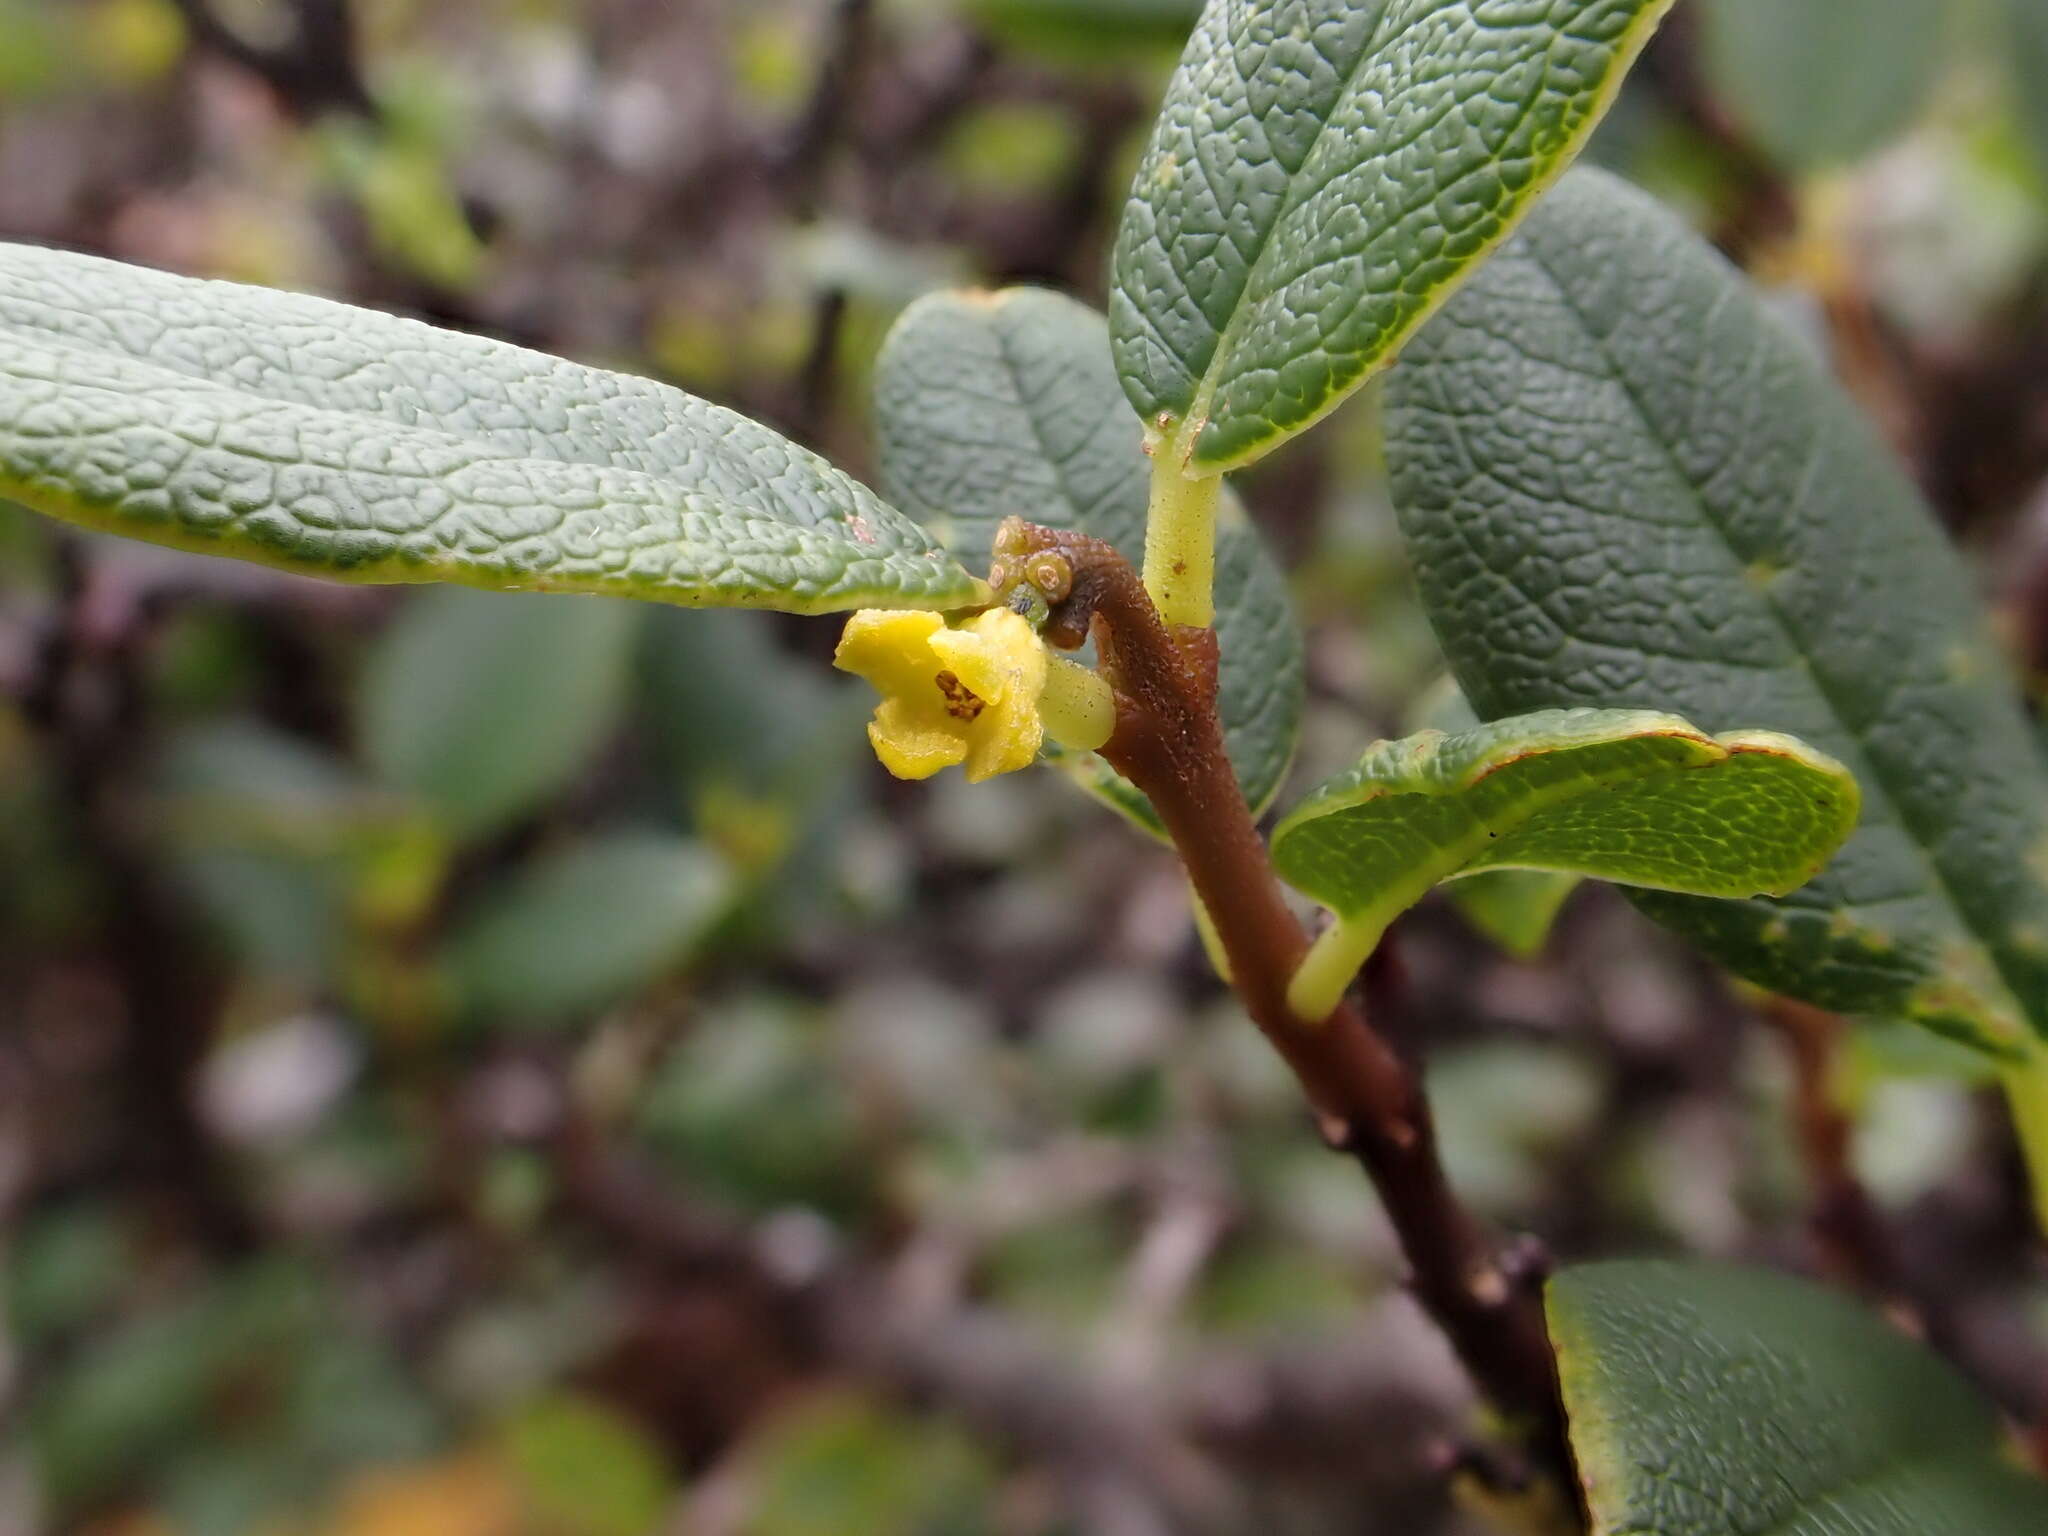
1709, 1401
1322, 174
1625, 795
999, 404
1625, 482
346, 443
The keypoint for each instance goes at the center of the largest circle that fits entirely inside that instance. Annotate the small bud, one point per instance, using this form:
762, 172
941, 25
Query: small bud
1053, 576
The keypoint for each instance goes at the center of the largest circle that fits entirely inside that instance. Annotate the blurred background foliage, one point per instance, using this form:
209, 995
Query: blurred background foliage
513, 1065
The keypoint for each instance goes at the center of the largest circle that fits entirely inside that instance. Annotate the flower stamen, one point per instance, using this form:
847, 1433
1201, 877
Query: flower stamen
962, 703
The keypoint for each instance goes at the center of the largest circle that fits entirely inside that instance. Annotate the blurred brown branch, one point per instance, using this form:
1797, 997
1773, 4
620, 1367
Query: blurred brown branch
313, 72
86, 697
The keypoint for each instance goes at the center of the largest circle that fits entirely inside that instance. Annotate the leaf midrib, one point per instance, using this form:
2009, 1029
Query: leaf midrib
61, 498
1938, 877
707, 435
1194, 424
482, 452
1206, 382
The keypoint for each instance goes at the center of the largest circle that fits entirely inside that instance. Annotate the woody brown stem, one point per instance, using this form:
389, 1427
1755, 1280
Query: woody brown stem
1848, 1236
1367, 1100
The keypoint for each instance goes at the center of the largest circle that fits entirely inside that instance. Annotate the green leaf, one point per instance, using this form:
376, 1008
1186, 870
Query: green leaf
994, 404
755, 1114
1085, 30
765, 752
1822, 82
1323, 173
585, 1467
736, 714
485, 706
1516, 908
344, 443
2027, 23
267, 834
63, 1267
138, 1393
581, 929
1624, 482
836, 1462
1711, 1401
1625, 795
408, 200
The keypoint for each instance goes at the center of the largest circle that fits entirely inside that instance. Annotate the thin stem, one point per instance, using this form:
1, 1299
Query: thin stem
1848, 1233
1180, 542
1922, 1288
1169, 743
1332, 964
315, 73
2026, 1090
1212, 941
804, 157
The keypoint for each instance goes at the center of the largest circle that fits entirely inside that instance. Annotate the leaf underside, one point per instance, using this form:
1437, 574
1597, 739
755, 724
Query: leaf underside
1323, 172
1711, 1401
1625, 795
345, 443
1515, 908
997, 404
1624, 482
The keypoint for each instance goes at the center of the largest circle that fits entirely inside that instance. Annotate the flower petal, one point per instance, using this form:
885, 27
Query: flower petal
891, 649
914, 742
921, 728
1006, 737
996, 656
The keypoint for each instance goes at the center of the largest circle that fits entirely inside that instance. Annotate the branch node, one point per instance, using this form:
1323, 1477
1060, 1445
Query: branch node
1528, 1262
1339, 1132
1490, 1286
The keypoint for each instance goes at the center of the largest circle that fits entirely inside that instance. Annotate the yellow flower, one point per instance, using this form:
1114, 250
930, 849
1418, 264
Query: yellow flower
949, 696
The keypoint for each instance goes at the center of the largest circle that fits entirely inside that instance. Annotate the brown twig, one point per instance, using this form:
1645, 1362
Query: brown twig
1856, 1249
1367, 1100
85, 695
1763, 206
804, 157
313, 74
1848, 1235
1063, 243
